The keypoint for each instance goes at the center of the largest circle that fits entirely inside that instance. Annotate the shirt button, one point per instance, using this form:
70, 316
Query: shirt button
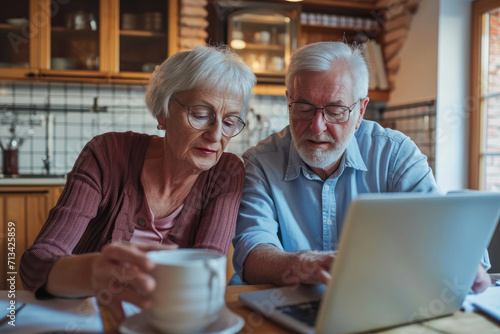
142, 222
327, 188
329, 222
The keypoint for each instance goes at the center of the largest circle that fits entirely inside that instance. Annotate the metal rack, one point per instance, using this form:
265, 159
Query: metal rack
32, 116
417, 121
65, 116
34, 109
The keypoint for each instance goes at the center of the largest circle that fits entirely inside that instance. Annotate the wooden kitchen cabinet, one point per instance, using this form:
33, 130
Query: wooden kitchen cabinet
18, 43
147, 35
220, 27
73, 38
352, 22
90, 40
27, 208
339, 20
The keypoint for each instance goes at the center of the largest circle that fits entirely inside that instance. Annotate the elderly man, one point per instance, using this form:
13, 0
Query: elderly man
299, 182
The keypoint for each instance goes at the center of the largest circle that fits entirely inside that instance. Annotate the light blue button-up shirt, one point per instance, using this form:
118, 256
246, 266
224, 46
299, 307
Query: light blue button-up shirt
287, 205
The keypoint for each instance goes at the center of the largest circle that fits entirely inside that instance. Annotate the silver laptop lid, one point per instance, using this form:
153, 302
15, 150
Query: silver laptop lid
406, 257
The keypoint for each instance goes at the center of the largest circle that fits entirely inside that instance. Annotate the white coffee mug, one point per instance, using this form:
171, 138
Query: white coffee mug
190, 287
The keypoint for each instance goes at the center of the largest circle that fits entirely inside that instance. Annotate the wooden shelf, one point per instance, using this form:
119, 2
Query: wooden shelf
342, 4
279, 90
58, 29
349, 4
75, 73
263, 47
334, 29
6, 26
142, 33
379, 95
63, 32
272, 73
263, 89
144, 76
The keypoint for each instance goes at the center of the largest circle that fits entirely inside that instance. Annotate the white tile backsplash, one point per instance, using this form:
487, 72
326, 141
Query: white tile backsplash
126, 111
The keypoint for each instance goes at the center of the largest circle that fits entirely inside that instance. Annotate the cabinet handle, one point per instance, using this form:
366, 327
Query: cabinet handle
30, 75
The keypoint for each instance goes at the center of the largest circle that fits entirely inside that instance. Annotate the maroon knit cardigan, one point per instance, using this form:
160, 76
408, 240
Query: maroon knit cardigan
102, 199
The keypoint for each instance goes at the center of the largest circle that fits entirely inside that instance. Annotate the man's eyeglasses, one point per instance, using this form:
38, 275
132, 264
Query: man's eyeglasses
202, 118
332, 113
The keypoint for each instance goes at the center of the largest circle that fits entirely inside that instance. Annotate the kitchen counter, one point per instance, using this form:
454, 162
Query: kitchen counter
33, 180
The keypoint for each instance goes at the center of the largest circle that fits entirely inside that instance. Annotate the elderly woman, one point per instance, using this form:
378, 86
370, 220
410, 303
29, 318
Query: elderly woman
129, 193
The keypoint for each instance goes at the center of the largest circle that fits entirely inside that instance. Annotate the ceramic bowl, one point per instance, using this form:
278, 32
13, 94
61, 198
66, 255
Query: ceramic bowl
60, 63
21, 21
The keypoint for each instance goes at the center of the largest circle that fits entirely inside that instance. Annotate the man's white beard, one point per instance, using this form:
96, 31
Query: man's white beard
318, 158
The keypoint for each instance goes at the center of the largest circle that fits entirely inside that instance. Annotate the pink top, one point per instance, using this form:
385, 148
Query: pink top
102, 201
154, 230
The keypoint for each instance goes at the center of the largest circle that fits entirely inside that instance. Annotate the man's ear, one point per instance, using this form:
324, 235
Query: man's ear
288, 109
362, 108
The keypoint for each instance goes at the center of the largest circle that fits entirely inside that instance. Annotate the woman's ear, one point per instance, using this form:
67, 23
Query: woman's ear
161, 121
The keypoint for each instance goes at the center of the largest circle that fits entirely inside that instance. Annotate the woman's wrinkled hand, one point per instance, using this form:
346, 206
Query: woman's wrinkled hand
122, 272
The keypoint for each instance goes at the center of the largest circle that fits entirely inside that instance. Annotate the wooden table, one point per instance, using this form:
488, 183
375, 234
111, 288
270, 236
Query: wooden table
458, 323
254, 323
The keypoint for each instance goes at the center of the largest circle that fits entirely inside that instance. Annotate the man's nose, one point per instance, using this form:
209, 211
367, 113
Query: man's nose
318, 123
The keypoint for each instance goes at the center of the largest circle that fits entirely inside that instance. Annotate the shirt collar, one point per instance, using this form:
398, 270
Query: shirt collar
351, 158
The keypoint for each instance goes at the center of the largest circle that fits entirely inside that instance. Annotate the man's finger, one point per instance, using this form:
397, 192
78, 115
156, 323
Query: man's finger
324, 276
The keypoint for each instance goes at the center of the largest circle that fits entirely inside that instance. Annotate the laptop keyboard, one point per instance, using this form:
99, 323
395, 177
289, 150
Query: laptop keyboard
304, 312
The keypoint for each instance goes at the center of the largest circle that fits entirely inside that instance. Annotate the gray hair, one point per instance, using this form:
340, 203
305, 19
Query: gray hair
323, 56
204, 67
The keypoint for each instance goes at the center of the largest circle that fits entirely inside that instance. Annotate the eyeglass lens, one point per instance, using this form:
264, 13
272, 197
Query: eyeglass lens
332, 113
202, 118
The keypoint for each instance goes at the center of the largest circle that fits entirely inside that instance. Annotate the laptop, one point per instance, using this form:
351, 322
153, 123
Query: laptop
402, 258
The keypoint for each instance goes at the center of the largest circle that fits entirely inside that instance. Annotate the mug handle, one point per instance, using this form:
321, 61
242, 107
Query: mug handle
215, 283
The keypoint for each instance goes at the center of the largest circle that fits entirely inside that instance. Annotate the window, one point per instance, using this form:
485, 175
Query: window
485, 97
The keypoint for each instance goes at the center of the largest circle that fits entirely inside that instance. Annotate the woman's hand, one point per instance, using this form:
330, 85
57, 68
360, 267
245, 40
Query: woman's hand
122, 272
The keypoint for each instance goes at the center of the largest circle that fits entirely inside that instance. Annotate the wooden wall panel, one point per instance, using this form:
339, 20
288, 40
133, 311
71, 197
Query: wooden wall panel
15, 211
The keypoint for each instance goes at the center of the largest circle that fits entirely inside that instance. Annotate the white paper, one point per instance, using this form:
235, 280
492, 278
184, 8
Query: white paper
38, 316
130, 309
487, 301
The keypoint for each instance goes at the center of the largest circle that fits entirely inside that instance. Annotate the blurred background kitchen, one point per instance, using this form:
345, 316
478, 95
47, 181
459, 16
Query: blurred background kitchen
70, 70
73, 69
49, 123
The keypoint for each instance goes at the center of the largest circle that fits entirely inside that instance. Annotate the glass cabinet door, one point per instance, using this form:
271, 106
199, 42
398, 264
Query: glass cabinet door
74, 35
143, 34
16, 48
264, 39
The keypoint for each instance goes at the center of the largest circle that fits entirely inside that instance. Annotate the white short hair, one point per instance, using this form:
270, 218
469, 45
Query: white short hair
204, 67
323, 56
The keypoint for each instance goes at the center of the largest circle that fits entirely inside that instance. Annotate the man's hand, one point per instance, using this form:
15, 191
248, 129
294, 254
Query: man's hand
482, 280
267, 264
309, 267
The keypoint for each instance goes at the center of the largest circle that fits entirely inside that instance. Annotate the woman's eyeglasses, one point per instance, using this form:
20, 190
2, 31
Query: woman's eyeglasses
202, 118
